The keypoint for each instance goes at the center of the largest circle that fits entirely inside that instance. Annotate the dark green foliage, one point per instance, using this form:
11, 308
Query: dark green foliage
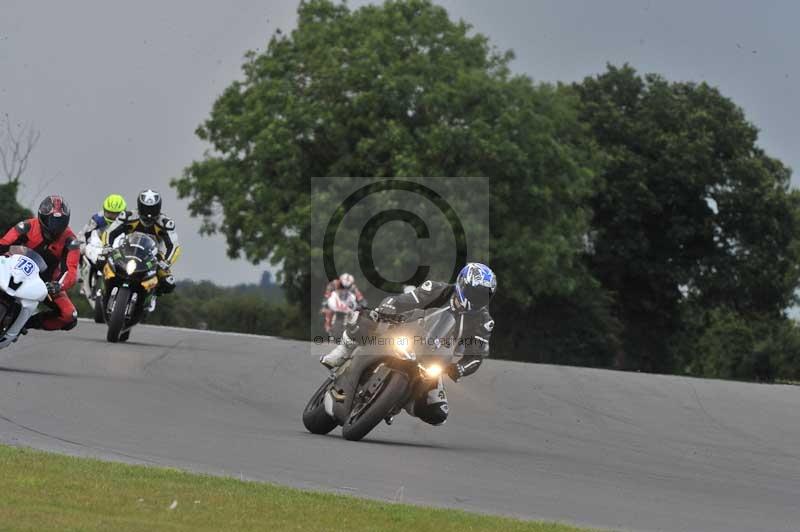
575, 330
80, 302
11, 212
725, 347
671, 151
243, 308
393, 90
722, 343
635, 222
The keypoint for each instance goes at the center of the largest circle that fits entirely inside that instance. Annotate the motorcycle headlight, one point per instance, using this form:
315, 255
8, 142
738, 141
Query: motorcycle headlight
403, 346
433, 371
130, 267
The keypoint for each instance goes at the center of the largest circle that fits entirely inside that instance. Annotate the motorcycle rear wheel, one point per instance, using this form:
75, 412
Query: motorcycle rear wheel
315, 418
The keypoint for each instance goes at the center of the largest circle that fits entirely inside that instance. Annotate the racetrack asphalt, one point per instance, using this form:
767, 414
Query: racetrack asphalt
600, 448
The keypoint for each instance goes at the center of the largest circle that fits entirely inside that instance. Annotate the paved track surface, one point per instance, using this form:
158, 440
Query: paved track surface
607, 449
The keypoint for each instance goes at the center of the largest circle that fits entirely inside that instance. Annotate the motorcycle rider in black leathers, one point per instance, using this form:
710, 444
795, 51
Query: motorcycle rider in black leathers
467, 299
151, 221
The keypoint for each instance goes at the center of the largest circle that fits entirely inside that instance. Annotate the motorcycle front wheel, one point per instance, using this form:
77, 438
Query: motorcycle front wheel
367, 412
116, 318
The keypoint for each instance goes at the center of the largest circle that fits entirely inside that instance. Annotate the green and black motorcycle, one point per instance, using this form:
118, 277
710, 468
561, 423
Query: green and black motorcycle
131, 277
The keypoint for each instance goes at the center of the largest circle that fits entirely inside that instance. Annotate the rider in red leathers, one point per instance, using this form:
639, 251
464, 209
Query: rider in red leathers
347, 282
50, 236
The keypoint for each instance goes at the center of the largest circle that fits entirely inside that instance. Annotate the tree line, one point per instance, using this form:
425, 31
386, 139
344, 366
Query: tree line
635, 221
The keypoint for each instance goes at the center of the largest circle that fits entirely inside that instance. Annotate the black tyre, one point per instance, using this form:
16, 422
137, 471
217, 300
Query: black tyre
116, 318
99, 311
315, 418
365, 416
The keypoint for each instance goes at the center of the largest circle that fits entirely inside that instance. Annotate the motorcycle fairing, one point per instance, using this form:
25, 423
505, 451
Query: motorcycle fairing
19, 278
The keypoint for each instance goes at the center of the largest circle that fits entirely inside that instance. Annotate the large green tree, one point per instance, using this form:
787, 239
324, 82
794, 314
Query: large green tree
689, 211
397, 89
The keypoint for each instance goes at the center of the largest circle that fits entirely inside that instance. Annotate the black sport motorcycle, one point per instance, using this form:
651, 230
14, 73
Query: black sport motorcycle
131, 276
386, 372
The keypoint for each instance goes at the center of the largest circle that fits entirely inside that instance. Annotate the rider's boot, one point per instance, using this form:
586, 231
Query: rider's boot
340, 353
34, 322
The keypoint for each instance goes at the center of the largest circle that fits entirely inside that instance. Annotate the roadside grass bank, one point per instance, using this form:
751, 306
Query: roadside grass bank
45, 491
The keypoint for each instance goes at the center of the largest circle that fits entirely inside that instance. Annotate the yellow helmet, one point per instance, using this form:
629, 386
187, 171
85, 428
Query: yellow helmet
112, 206
114, 203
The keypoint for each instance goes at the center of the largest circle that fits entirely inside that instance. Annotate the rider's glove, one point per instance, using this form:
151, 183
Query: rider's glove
363, 303
53, 288
455, 371
387, 307
103, 254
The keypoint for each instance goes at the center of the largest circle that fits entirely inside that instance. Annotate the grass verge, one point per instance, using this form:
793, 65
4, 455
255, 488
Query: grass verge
43, 491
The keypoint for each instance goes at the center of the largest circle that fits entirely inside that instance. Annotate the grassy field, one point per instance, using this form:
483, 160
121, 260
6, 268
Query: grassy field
42, 491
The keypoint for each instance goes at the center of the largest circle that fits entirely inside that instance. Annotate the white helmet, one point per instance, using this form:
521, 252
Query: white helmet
347, 280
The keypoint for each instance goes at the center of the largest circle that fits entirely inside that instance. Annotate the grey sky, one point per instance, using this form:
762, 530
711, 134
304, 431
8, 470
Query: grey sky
117, 88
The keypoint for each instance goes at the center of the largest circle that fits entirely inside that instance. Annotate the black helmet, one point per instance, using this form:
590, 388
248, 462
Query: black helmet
475, 287
148, 205
53, 216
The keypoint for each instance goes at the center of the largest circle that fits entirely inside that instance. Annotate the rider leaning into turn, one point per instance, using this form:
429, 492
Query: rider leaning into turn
344, 281
50, 236
151, 221
467, 299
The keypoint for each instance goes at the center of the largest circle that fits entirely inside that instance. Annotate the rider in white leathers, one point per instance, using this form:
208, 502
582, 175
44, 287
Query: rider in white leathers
90, 239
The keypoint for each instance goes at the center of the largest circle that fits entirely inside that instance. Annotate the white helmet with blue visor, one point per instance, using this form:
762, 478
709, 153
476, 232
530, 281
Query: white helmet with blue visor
475, 285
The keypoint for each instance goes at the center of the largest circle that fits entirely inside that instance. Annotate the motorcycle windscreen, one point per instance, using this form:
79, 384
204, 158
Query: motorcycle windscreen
31, 254
139, 245
439, 330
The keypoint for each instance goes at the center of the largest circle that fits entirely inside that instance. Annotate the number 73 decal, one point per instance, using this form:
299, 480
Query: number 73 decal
26, 265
